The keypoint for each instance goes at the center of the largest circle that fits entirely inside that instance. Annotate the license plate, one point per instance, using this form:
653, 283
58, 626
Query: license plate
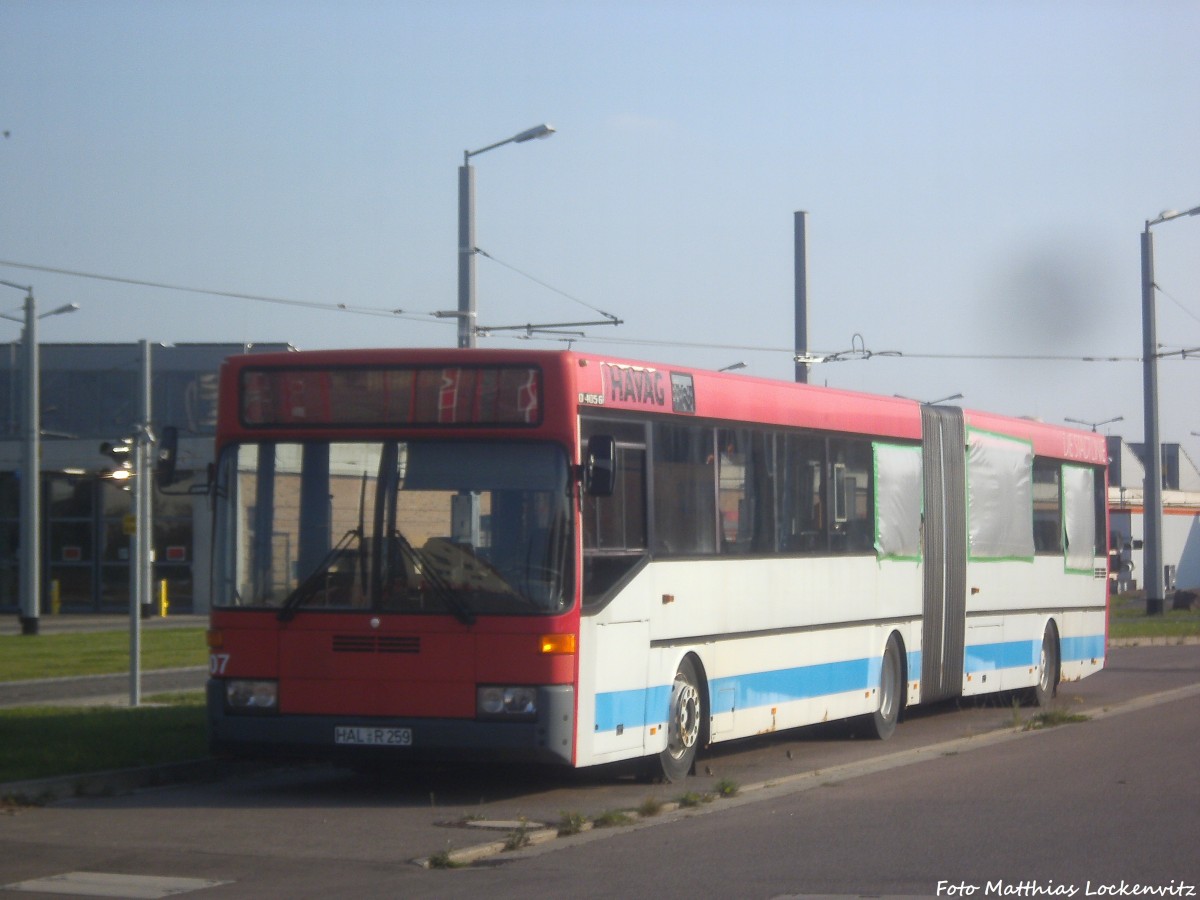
372, 737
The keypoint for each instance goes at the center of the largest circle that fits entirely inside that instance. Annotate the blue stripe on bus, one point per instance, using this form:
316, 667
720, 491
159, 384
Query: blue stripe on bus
785, 685
1014, 654
1007, 655
1088, 647
629, 708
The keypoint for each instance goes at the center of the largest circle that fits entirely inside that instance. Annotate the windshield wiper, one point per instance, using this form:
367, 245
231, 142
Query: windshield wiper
308, 586
449, 597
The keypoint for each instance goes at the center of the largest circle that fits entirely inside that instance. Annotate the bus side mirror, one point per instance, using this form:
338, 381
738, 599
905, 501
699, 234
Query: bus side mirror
168, 451
600, 466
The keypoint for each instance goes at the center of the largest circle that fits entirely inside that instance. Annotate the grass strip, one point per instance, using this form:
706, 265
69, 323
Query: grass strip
1128, 619
97, 653
41, 741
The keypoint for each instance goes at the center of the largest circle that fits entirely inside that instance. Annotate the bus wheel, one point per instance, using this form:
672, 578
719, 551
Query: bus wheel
1048, 668
891, 691
683, 724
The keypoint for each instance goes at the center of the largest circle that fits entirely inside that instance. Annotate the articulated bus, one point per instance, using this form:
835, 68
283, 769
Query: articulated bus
565, 558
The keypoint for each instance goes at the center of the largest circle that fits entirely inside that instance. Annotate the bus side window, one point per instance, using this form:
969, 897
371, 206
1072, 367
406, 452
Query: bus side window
853, 526
1047, 507
746, 490
617, 522
614, 526
803, 528
685, 502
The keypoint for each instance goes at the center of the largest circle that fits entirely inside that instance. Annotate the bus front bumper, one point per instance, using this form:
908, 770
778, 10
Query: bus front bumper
345, 738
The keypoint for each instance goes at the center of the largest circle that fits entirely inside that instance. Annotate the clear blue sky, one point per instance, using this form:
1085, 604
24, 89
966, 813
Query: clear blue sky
976, 177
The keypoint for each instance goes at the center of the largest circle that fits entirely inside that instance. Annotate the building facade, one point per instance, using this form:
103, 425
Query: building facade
90, 395
1181, 515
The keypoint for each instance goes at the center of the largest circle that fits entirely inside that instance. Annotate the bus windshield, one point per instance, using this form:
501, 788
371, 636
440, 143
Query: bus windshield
442, 527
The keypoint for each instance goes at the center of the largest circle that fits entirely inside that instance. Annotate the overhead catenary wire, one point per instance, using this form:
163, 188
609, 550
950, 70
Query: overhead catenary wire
541, 283
409, 315
215, 292
856, 352
827, 356
1183, 309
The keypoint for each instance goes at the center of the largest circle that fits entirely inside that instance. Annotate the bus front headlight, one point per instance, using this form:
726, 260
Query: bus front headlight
251, 696
495, 702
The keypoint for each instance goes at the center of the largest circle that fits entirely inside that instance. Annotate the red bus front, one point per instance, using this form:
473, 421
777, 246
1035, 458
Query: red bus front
394, 569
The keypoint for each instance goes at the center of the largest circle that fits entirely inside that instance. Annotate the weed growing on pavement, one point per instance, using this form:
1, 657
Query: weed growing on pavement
1048, 718
726, 788
444, 860
651, 806
571, 823
518, 837
612, 819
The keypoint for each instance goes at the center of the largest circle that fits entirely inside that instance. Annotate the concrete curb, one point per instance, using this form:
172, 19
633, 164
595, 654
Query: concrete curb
40, 791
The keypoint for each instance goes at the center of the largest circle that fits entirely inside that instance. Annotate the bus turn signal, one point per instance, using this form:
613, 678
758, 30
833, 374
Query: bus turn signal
557, 644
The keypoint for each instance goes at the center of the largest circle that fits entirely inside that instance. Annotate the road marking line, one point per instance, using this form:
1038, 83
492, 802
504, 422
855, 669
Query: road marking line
103, 884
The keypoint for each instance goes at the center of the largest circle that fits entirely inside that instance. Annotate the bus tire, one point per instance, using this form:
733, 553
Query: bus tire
891, 690
1049, 668
685, 715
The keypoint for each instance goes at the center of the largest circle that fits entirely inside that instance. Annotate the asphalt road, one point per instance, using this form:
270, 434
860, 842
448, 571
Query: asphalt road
958, 796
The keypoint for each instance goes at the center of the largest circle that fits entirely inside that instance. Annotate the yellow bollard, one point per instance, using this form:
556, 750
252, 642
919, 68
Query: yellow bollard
162, 598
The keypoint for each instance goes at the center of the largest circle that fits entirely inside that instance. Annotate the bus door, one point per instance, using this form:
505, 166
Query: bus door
615, 622
945, 553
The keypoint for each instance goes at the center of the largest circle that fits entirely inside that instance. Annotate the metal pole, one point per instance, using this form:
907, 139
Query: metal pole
146, 495
141, 559
466, 253
466, 230
801, 264
1152, 487
31, 478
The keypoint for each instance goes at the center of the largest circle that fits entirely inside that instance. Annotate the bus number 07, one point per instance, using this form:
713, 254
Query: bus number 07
217, 663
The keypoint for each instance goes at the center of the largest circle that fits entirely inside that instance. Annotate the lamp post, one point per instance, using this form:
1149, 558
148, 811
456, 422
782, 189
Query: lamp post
1094, 425
31, 451
466, 231
1152, 515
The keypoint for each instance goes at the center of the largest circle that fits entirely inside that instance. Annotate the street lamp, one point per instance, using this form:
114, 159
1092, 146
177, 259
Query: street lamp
1152, 524
1094, 425
31, 572
466, 231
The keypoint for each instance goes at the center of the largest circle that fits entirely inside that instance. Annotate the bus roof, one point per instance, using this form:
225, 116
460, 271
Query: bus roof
596, 383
